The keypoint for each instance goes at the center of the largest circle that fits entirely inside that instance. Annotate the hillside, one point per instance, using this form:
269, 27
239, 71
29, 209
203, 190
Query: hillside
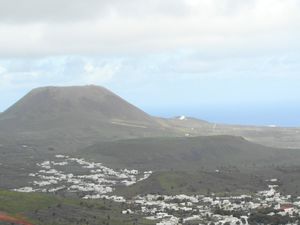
72, 117
198, 164
186, 153
54, 102
46, 209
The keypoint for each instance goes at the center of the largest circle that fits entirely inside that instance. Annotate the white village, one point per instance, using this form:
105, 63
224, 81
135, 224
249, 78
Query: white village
96, 181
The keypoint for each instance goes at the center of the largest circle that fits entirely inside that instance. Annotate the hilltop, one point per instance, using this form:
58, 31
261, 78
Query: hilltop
72, 117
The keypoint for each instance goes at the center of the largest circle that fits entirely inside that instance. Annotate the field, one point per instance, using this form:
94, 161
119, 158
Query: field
46, 209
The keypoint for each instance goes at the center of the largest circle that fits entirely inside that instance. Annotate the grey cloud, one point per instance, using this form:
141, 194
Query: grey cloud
56, 10
35, 11
119, 27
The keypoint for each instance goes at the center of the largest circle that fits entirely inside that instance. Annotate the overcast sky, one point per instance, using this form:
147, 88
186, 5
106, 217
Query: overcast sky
226, 61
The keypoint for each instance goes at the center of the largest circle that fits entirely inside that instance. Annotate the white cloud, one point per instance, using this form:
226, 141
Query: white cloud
62, 70
99, 74
116, 27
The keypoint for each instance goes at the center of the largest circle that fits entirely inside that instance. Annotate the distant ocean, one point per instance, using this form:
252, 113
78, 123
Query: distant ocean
276, 115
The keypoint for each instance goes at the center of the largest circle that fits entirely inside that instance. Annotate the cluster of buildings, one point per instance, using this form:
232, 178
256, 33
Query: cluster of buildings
95, 181
265, 207
91, 179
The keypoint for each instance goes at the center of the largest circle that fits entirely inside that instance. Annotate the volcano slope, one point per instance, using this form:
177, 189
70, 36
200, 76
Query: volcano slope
67, 118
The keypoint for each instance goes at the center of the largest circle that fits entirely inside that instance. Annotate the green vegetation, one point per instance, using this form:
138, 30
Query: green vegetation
47, 209
199, 182
188, 154
14, 202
